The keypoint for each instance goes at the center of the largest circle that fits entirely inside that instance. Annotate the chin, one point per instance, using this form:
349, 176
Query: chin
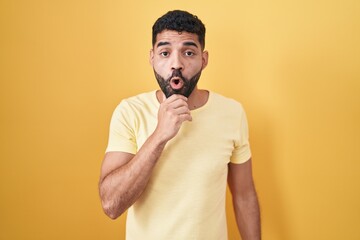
183, 92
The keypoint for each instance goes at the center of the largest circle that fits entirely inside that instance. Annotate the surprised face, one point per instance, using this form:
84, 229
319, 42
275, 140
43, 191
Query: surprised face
177, 60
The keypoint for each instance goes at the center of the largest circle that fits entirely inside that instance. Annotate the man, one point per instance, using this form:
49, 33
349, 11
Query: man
171, 152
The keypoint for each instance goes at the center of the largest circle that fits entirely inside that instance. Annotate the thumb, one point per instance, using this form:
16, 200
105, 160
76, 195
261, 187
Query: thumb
163, 97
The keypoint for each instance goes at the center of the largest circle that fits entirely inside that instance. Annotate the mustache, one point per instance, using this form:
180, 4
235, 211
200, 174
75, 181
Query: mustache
176, 73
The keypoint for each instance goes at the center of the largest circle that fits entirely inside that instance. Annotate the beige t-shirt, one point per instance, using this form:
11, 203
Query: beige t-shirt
185, 197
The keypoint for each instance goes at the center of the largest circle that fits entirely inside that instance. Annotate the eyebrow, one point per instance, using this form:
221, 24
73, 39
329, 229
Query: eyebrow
185, 44
162, 44
190, 44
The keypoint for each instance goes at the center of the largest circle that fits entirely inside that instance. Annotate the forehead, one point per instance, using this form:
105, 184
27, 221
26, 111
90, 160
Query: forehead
174, 37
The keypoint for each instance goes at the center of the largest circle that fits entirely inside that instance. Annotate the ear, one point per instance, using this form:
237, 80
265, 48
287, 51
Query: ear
151, 57
205, 58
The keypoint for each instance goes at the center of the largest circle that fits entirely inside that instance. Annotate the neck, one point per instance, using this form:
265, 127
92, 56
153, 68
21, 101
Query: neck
197, 98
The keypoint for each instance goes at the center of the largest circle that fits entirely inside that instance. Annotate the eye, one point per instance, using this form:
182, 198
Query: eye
189, 53
164, 54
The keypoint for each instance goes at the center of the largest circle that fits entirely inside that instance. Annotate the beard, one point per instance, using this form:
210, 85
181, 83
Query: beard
185, 90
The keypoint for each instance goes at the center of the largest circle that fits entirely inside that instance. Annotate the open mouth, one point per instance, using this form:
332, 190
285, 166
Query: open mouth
176, 83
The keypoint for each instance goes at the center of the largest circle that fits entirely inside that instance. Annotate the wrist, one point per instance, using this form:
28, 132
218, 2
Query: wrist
158, 140
160, 137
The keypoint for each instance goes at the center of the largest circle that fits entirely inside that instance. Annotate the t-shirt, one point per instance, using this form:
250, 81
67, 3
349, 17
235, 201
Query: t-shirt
185, 196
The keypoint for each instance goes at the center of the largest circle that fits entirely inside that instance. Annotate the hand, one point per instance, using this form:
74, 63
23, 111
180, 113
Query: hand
172, 113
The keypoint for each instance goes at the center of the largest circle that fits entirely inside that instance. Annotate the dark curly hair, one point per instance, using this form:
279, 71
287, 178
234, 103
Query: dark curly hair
180, 21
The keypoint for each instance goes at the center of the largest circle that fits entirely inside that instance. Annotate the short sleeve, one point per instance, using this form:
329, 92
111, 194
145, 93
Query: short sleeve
241, 152
122, 130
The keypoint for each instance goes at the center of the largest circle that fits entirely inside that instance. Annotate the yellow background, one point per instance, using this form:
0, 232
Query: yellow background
65, 65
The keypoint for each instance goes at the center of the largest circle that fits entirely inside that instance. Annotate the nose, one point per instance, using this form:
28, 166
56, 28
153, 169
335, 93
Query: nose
177, 62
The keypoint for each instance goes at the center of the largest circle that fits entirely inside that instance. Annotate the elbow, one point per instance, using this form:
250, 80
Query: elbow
108, 204
110, 210
112, 207
111, 214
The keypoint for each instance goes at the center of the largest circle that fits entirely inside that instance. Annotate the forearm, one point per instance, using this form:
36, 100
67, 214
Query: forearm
248, 216
123, 186
124, 178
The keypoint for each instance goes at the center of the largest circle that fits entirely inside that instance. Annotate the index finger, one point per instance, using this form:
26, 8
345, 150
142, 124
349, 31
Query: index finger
176, 96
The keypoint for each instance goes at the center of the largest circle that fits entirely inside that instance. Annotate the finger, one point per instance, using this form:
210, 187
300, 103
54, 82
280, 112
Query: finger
163, 97
185, 117
179, 103
182, 110
174, 97
175, 103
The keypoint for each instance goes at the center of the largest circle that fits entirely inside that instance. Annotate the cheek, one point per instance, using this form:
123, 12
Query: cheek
160, 71
159, 66
195, 66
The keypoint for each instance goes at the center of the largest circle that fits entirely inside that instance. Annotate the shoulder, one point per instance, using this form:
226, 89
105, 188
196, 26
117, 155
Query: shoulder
140, 99
137, 102
226, 103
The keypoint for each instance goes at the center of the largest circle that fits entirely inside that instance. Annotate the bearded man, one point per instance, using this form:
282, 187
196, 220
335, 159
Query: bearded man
172, 151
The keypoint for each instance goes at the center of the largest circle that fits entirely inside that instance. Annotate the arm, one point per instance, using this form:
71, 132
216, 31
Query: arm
245, 200
124, 176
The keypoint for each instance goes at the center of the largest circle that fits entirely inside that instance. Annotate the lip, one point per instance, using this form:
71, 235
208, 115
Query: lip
176, 83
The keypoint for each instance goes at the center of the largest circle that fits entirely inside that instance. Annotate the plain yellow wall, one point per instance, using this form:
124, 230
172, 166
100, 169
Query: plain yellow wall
65, 65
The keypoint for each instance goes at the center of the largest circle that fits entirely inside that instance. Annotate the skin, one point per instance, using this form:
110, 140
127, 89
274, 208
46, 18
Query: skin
245, 201
182, 51
124, 176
